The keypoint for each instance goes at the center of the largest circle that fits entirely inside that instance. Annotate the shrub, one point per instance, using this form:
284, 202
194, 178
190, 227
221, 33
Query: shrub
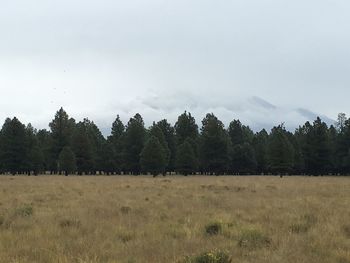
2, 220
125, 210
253, 239
215, 256
125, 237
346, 230
213, 228
65, 223
24, 211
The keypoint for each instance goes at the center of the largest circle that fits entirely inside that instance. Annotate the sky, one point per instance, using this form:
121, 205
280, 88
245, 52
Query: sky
261, 61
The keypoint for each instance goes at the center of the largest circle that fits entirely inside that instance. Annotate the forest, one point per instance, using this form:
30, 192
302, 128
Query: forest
71, 147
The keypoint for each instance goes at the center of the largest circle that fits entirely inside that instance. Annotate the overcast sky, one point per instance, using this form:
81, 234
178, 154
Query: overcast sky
262, 61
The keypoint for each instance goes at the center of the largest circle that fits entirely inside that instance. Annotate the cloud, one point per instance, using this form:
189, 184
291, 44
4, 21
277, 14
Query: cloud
264, 62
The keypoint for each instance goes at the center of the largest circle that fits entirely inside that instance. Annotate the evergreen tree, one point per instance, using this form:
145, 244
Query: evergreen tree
62, 129
243, 159
133, 143
214, 145
169, 134
83, 149
239, 133
156, 131
67, 161
13, 145
186, 160
260, 142
34, 161
44, 143
153, 157
186, 129
242, 153
115, 144
316, 147
280, 151
97, 142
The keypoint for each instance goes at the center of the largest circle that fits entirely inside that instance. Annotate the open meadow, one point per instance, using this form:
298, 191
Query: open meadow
158, 220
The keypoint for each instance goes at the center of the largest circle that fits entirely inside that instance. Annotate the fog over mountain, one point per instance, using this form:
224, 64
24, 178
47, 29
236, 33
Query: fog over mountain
262, 61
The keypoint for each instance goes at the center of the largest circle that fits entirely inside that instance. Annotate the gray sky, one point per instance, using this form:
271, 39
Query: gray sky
262, 61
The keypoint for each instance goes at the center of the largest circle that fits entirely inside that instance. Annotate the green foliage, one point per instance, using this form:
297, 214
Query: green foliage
153, 157
24, 211
215, 256
157, 132
114, 147
214, 145
169, 135
13, 146
280, 151
83, 148
260, 142
62, 129
213, 228
133, 144
67, 161
186, 161
243, 159
185, 128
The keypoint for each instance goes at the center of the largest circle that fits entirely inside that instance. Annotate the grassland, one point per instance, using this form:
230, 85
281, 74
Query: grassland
142, 219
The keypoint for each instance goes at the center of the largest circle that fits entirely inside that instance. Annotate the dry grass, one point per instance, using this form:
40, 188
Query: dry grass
141, 219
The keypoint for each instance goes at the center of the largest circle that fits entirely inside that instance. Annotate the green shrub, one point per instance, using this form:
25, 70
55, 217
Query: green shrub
24, 211
215, 256
213, 229
253, 239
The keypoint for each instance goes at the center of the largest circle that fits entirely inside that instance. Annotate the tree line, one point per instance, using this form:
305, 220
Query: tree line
71, 147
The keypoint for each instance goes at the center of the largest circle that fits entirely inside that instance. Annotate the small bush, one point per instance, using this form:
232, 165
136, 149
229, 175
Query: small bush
2, 220
215, 256
125, 210
299, 228
65, 223
213, 228
253, 239
24, 211
346, 230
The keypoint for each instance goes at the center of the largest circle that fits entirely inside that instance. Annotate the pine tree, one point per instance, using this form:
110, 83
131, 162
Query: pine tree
280, 151
243, 159
153, 157
133, 143
115, 144
158, 133
35, 158
83, 149
186, 129
169, 134
13, 145
67, 161
186, 160
214, 145
62, 129
260, 143
242, 153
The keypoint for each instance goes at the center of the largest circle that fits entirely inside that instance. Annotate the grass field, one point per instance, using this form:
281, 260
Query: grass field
143, 219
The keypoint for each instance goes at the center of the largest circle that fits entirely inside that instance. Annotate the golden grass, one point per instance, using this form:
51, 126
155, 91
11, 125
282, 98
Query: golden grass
143, 219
